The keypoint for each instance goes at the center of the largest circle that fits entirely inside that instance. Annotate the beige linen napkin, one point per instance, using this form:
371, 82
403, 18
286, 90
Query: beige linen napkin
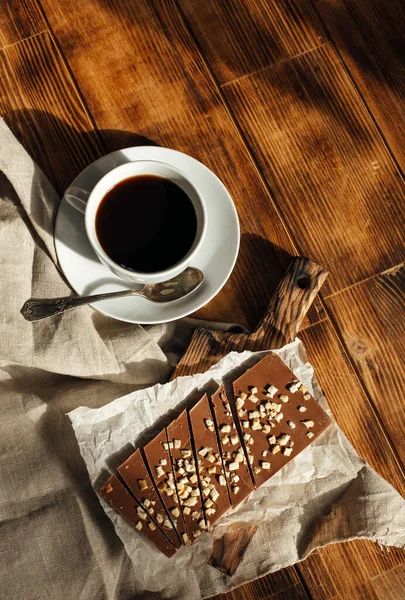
56, 541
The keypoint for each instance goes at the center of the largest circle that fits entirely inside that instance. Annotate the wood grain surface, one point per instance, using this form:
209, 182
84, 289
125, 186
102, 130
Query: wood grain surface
369, 36
298, 107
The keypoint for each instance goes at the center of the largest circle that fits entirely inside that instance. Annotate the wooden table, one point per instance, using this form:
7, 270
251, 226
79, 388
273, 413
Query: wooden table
298, 106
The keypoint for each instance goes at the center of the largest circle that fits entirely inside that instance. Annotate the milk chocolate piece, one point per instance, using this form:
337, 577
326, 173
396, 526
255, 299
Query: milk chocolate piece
135, 474
282, 417
185, 473
233, 456
158, 457
120, 499
216, 499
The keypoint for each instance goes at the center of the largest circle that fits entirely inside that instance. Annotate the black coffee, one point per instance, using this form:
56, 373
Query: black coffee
146, 223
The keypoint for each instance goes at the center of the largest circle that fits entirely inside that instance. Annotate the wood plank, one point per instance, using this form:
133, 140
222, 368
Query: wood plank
112, 49
369, 35
388, 586
334, 181
264, 588
361, 560
19, 19
242, 36
40, 104
371, 318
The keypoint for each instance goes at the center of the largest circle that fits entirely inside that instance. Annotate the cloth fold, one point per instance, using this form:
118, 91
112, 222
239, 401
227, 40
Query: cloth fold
56, 540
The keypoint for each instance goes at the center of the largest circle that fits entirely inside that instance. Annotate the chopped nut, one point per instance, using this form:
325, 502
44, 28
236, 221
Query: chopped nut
264, 452
254, 414
165, 445
302, 408
159, 518
169, 492
159, 471
141, 513
303, 388
262, 410
152, 526
239, 457
184, 537
180, 471
146, 502
252, 398
201, 524
190, 501
204, 451
272, 439
196, 533
310, 434
256, 424
138, 526
275, 449
308, 424
240, 413
195, 492
183, 480
186, 510
287, 451
208, 503
225, 429
271, 391
186, 453
214, 494
250, 442
235, 477
256, 470
243, 395
283, 439
239, 402
291, 424
283, 398
209, 423
233, 466
206, 492
235, 489
307, 396
279, 417
264, 464
162, 486
224, 440
210, 457
246, 436
142, 484
190, 468
266, 428
212, 470
108, 488
210, 511
196, 514
245, 424
234, 440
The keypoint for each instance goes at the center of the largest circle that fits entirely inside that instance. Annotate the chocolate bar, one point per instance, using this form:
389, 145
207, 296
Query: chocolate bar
278, 416
211, 472
233, 455
158, 456
185, 474
120, 499
135, 474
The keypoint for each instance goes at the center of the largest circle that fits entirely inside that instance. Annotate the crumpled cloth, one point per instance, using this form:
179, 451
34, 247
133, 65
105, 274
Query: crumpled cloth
56, 541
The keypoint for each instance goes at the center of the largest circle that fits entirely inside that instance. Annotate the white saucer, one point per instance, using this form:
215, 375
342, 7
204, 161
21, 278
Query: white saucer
216, 257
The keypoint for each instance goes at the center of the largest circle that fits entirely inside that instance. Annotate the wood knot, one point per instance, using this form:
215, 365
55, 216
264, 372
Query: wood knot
359, 348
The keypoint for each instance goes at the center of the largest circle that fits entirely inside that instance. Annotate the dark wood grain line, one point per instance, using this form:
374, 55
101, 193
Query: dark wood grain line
19, 19
285, 581
369, 37
244, 36
39, 103
300, 116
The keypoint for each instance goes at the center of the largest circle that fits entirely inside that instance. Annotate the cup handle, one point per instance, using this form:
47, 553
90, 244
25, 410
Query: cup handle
77, 197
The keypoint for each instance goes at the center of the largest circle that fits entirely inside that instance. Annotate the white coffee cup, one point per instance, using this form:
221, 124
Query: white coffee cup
88, 203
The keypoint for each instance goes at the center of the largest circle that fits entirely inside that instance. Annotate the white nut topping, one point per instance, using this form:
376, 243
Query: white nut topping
264, 464
186, 510
272, 439
193, 478
246, 436
291, 424
167, 523
208, 422
307, 396
243, 395
275, 449
271, 391
204, 451
210, 511
186, 453
266, 428
239, 457
302, 408
252, 398
310, 434
253, 389
283, 398
233, 466
235, 489
224, 440
225, 429
287, 451
138, 526
214, 495
308, 424
256, 424
234, 440
184, 537
146, 502
208, 503
177, 443
239, 402
212, 470
142, 484
264, 452
190, 501
251, 459
210, 457
195, 492
165, 445
196, 514
283, 439
201, 524
175, 512
294, 386
159, 471
141, 513
235, 478
245, 424
152, 526
254, 414
159, 518
196, 533
206, 492
279, 417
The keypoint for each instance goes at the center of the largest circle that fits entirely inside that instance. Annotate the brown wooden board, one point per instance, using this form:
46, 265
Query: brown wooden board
19, 19
280, 325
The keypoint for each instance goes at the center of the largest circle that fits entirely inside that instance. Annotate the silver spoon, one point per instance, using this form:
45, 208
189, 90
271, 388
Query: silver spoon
167, 291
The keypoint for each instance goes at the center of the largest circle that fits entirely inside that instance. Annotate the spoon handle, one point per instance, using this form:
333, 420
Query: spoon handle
41, 308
